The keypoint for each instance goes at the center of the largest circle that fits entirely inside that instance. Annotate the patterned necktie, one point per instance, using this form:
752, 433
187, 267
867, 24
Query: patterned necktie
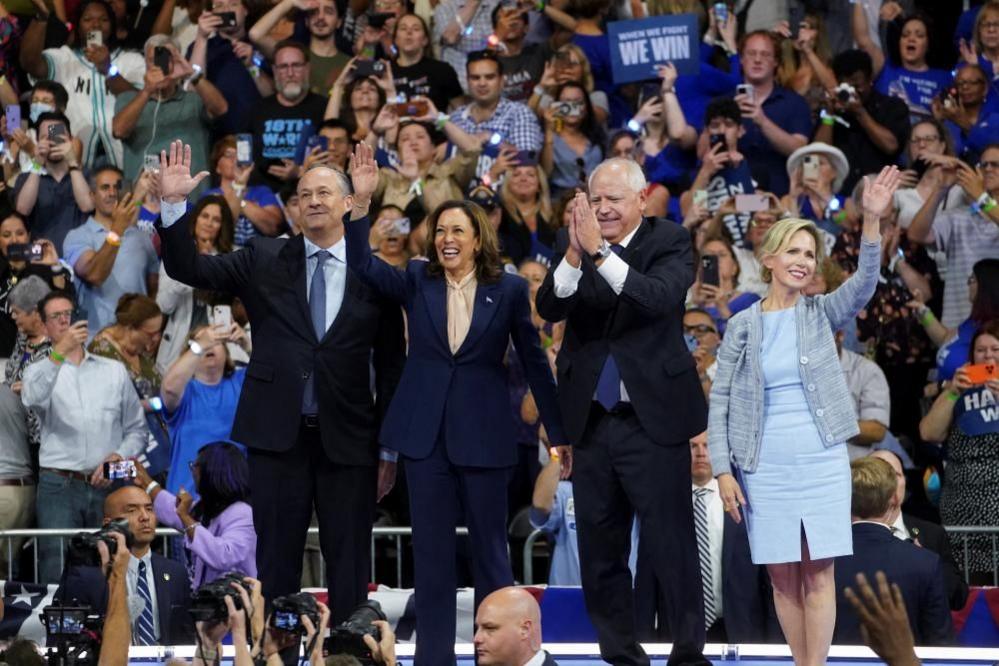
704, 554
317, 309
609, 382
144, 633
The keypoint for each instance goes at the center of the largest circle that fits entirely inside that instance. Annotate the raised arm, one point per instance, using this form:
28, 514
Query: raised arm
32, 45
862, 35
260, 32
676, 123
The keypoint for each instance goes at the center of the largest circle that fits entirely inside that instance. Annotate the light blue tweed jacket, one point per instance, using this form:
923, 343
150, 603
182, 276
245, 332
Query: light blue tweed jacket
735, 416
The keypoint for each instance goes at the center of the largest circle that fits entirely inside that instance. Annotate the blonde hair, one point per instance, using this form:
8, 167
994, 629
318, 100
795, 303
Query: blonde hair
989, 6
587, 79
544, 197
874, 485
779, 237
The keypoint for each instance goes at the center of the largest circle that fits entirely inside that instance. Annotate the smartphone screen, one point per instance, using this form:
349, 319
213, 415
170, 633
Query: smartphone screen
13, 114
403, 226
244, 149
151, 163
750, 203
122, 469
701, 198
709, 270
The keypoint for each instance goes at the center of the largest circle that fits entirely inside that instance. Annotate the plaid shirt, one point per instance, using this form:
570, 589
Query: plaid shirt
514, 121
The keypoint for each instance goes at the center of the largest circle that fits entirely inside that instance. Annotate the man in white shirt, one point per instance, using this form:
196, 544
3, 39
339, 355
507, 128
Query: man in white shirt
90, 414
508, 630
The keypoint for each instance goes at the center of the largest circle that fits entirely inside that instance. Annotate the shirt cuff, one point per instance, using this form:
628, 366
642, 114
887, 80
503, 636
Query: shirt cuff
388, 455
171, 212
614, 270
567, 279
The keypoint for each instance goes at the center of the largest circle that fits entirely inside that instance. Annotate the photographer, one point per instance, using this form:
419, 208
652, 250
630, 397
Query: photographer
157, 587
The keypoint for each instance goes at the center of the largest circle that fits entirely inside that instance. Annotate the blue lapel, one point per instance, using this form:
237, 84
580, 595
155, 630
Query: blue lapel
487, 300
435, 294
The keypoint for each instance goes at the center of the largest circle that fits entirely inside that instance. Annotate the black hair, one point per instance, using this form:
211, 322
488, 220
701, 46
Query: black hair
57, 90
224, 480
81, 38
51, 296
722, 107
54, 115
292, 44
484, 54
985, 307
850, 62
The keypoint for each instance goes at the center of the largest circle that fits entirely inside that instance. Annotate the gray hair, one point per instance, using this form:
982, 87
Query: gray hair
27, 293
342, 179
634, 177
160, 40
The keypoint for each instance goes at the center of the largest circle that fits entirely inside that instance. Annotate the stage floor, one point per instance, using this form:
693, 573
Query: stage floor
585, 654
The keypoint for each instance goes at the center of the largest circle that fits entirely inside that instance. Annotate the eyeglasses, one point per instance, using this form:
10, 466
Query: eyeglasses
290, 66
990, 164
967, 83
762, 55
990, 25
699, 330
62, 314
925, 139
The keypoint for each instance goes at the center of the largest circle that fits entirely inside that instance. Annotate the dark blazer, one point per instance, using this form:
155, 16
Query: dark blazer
465, 393
933, 537
549, 660
918, 573
87, 585
268, 275
642, 327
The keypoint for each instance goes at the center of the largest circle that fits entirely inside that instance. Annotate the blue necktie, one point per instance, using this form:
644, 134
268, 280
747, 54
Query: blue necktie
609, 383
317, 309
144, 633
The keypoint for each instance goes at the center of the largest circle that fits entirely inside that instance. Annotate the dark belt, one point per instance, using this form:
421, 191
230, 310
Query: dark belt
310, 421
24, 481
620, 409
69, 474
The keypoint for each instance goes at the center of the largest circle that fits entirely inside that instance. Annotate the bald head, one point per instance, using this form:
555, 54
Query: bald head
134, 505
508, 628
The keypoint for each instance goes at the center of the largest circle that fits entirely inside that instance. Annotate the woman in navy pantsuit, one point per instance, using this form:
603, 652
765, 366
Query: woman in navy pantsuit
450, 417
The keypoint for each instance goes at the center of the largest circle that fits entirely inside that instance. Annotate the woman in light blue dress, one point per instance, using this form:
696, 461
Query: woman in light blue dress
780, 413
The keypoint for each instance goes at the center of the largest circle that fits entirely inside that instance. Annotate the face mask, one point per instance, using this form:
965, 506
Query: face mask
38, 108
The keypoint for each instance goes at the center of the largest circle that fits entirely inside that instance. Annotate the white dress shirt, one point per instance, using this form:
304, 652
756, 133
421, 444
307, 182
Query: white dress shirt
613, 269
898, 528
716, 534
87, 412
537, 660
135, 602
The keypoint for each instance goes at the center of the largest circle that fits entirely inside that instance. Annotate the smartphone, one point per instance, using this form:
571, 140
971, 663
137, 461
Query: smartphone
402, 226
709, 270
317, 140
379, 19
244, 149
716, 140
690, 341
95, 38
25, 251
721, 12
414, 108
810, 167
919, 165
747, 90
163, 59
982, 372
13, 114
151, 163
363, 68
123, 469
648, 91
57, 133
156, 403
228, 19
701, 198
221, 317
750, 203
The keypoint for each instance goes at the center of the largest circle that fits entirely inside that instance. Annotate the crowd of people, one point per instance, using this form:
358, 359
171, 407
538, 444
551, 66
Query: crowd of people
276, 264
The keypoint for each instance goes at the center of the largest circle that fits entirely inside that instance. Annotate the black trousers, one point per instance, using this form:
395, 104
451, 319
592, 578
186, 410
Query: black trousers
619, 470
286, 486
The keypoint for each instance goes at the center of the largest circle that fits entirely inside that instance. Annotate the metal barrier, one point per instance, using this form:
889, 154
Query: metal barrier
396, 534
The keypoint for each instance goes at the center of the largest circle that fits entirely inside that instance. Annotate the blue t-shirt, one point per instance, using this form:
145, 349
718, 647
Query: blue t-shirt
597, 50
917, 89
205, 415
228, 73
727, 183
789, 111
258, 194
969, 145
954, 353
976, 412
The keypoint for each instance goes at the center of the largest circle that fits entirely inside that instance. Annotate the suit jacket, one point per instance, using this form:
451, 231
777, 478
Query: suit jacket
549, 660
934, 537
465, 394
918, 573
87, 585
642, 327
269, 277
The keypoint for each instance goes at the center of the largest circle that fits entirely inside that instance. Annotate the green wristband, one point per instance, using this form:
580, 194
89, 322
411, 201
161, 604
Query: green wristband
927, 318
951, 395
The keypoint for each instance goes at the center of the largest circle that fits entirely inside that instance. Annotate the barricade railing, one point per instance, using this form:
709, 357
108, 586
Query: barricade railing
398, 535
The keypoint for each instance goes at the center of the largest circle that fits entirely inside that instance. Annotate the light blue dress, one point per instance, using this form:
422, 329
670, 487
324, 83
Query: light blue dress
798, 481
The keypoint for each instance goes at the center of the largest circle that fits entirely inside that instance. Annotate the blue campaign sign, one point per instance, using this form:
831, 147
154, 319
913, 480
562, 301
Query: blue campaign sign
636, 47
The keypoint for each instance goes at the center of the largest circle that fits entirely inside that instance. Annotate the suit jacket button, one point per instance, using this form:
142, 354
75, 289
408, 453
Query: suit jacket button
804, 360
306, 374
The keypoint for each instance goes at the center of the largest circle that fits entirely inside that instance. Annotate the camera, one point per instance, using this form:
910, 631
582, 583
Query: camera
72, 634
568, 109
208, 603
228, 19
25, 252
289, 608
348, 637
365, 67
378, 19
845, 93
82, 549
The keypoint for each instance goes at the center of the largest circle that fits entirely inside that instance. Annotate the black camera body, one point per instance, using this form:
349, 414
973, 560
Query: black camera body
289, 608
208, 603
82, 549
348, 637
72, 634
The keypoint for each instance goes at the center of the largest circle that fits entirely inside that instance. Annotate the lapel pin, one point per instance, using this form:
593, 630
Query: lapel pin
489, 299
166, 576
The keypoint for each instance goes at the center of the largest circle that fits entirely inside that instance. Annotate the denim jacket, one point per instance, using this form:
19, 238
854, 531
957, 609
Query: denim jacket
735, 417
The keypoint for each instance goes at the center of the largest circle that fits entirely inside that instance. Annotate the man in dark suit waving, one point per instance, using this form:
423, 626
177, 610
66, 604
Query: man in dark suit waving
630, 400
158, 589
306, 412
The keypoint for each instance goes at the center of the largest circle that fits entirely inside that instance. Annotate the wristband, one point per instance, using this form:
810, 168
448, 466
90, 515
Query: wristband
113, 239
983, 198
989, 205
828, 120
153, 485
927, 318
540, 5
553, 454
56, 356
952, 395
36, 167
441, 121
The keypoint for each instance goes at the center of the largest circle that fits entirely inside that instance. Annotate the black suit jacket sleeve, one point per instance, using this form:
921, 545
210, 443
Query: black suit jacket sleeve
935, 538
388, 355
550, 306
225, 272
935, 624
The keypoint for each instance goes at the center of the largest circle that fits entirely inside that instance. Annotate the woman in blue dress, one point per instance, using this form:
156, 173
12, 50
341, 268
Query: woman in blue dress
780, 412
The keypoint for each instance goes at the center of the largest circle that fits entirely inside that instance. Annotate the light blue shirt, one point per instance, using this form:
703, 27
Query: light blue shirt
334, 271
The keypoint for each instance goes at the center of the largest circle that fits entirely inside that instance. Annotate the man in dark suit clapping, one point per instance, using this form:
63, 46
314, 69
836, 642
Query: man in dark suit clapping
306, 412
630, 401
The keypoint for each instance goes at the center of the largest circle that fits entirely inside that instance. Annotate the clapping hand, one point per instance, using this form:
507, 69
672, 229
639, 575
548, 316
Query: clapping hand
880, 193
585, 226
176, 181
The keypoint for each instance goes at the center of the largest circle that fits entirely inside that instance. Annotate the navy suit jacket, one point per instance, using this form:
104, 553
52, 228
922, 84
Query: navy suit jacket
918, 573
642, 326
464, 394
269, 277
87, 585
933, 537
747, 597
